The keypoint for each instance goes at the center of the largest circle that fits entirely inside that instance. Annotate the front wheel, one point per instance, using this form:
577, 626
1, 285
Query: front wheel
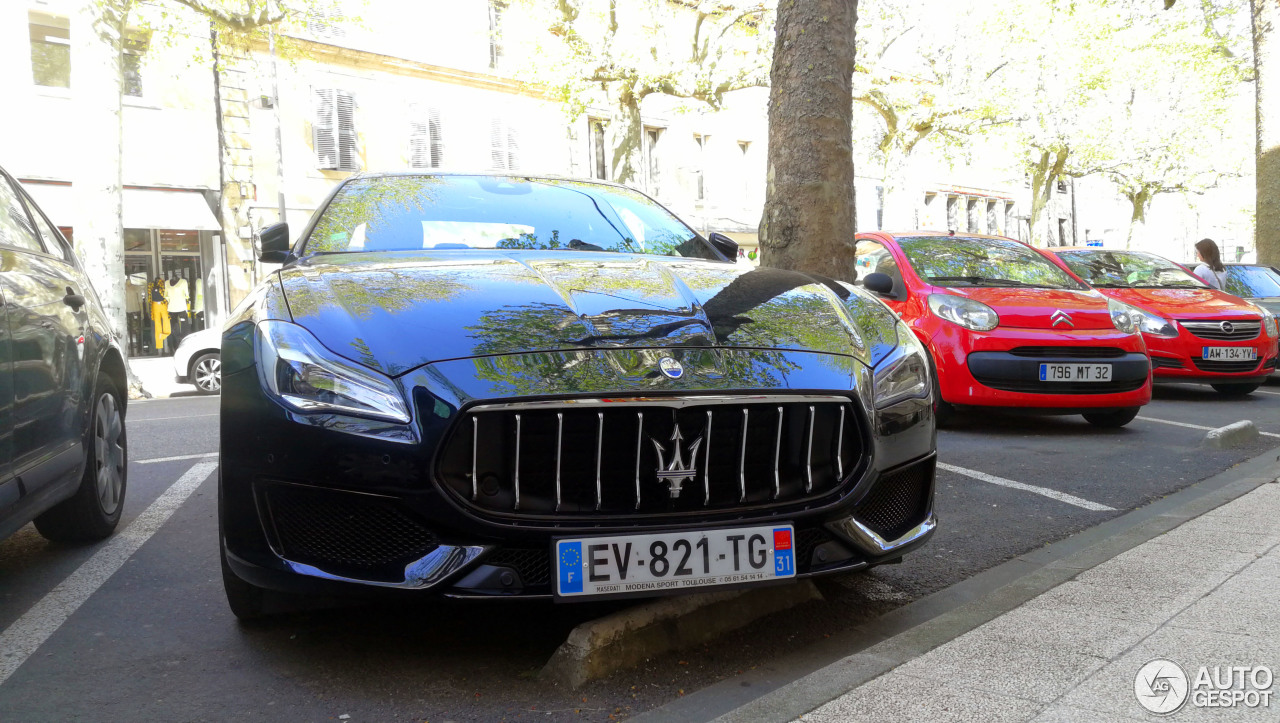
93, 512
1111, 418
942, 411
1235, 390
247, 601
206, 373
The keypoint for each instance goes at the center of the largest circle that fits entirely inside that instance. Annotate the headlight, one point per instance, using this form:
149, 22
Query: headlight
1122, 316
1268, 320
1146, 322
968, 313
301, 373
904, 374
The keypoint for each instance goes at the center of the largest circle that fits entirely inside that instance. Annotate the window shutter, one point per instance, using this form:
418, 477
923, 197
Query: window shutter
348, 155
322, 130
426, 146
513, 149
497, 154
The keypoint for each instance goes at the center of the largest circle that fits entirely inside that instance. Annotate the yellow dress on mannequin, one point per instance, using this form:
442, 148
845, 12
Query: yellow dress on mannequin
160, 312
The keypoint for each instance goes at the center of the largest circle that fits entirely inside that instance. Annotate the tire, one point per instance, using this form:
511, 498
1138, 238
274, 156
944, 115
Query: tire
206, 373
1235, 390
247, 601
93, 512
1111, 418
942, 411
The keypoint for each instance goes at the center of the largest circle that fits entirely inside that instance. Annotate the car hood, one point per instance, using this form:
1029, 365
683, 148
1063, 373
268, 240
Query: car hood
397, 311
1186, 303
1035, 308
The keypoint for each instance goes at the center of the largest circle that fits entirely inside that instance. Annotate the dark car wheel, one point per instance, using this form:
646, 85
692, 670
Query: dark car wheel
206, 373
1235, 390
247, 601
1111, 418
942, 411
94, 511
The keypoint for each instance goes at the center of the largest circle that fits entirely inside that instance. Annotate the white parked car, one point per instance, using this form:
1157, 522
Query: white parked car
198, 361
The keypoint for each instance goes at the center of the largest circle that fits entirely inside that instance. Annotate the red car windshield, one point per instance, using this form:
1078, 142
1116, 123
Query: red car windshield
1129, 270
963, 261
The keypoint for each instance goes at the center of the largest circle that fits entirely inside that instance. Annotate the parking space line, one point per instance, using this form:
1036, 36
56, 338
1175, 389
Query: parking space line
1045, 491
168, 419
1264, 391
28, 633
1196, 426
155, 460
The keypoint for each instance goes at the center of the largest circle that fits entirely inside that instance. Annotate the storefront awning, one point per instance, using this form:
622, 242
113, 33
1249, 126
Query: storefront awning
143, 208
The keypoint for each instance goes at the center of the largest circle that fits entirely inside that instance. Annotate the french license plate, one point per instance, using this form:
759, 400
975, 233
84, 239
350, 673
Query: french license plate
629, 564
1229, 353
1075, 372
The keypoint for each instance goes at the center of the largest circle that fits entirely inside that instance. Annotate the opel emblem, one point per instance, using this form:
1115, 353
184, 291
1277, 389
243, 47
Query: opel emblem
1061, 318
1227, 327
670, 368
674, 471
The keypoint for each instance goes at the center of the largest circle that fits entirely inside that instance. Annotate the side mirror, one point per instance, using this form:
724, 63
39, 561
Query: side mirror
724, 245
274, 242
879, 283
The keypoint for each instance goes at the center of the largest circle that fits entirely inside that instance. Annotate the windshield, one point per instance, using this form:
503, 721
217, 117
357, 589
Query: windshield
960, 261
406, 213
1253, 282
1129, 270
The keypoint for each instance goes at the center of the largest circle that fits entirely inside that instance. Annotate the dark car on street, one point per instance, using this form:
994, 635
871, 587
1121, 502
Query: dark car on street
63, 451
486, 386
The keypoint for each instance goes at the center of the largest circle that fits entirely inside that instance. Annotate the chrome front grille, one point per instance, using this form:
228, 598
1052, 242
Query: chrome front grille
636, 457
1224, 330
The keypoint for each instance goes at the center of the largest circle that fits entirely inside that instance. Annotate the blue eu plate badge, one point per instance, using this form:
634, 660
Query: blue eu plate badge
570, 560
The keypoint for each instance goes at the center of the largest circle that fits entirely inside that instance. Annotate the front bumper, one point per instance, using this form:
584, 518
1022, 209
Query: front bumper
1000, 368
1180, 359
339, 479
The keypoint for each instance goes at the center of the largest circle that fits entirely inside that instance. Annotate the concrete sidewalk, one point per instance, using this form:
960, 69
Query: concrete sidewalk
156, 375
1204, 595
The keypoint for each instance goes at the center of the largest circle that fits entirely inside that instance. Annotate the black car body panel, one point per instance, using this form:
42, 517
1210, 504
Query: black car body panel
309, 499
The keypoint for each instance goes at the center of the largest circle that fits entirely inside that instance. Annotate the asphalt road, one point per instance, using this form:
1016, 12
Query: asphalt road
155, 640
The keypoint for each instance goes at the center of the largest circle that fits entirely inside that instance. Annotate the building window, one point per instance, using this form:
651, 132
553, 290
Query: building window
324, 20
334, 130
496, 9
651, 136
426, 146
504, 143
599, 164
135, 47
700, 164
50, 50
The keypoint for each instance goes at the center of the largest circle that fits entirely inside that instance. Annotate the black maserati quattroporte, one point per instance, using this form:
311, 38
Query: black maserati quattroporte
483, 386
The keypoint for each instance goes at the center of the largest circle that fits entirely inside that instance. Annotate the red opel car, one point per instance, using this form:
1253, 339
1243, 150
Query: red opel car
1194, 333
1007, 327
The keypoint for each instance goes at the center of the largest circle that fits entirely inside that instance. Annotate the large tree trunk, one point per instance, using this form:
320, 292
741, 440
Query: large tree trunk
1044, 179
808, 221
1139, 202
1266, 58
235, 166
97, 31
627, 131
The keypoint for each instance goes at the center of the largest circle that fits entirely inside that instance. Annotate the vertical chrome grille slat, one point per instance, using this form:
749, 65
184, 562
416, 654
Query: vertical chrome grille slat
742, 459
639, 437
599, 450
777, 458
840, 448
559, 438
517, 467
706, 467
808, 462
475, 441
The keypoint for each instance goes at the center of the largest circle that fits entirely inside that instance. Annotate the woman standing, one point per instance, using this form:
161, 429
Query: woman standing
1210, 270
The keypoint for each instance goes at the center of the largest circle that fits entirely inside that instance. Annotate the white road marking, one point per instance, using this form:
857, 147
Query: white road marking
154, 460
166, 419
1264, 391
28, 633
1195, 426
1053, 494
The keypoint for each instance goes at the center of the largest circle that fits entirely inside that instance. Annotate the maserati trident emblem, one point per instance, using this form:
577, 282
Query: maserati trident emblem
1061, 318
670, 368
674, 471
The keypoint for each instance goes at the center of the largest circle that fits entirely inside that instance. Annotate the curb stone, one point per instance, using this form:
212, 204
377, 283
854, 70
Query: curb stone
626, 638
1232, 435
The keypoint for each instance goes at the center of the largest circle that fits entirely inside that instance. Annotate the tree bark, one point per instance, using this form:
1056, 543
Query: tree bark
1045, 174
97, 30
1266, 59
1139, 201
808, 222
627, 130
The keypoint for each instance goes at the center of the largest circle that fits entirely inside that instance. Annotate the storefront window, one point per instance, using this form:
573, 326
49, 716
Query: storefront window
137, 239
180, 241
